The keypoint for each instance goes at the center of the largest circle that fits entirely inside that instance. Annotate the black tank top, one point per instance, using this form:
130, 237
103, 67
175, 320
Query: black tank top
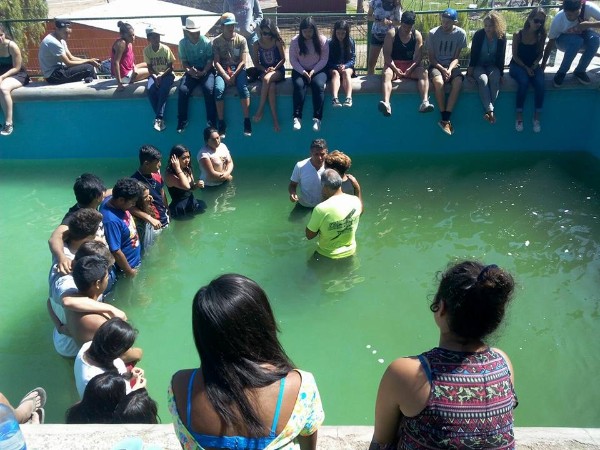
402, 51
527, 52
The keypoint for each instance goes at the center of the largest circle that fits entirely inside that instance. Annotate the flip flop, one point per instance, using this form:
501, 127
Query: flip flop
41, 393
41, 416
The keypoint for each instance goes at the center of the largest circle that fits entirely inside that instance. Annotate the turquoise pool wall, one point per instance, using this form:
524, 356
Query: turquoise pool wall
111, 127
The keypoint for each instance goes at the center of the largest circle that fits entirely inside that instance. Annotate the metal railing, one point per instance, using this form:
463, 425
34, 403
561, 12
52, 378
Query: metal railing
88, 41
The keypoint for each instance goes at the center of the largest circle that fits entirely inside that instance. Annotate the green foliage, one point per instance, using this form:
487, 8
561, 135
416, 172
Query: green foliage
23, 33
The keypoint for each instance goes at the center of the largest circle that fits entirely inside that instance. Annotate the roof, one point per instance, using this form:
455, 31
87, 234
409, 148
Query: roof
109, 14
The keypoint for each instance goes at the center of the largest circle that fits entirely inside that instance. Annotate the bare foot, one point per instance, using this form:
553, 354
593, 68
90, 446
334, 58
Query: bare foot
28, 406
258, 116
276, 127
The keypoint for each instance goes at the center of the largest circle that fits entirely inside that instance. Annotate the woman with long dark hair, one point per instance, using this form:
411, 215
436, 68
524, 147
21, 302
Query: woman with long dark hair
13, 75
101, 396
122, 58
461, 393
309, 54
342, 55
110, 349
180, 182
246, 393
268, 56
528, 49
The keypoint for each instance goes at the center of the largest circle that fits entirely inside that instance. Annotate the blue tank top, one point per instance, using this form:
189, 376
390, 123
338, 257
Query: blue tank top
270, 57
237, 442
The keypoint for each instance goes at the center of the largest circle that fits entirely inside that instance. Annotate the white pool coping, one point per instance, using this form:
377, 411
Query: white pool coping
105, 437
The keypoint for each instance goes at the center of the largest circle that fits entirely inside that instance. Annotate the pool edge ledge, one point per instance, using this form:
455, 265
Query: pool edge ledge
59, 436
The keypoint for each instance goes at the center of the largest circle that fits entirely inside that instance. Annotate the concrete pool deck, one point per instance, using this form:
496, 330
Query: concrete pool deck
100, 437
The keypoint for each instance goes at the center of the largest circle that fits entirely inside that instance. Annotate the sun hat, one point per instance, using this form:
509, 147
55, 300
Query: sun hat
228, 19
153, 30
192, 25
450, 13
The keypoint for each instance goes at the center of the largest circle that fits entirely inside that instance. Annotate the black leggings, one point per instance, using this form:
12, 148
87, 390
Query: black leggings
317, 85
72, 74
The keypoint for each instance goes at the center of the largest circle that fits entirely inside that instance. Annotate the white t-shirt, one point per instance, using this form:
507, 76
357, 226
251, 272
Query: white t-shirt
560, 24
219, 158
309, 181
84, 371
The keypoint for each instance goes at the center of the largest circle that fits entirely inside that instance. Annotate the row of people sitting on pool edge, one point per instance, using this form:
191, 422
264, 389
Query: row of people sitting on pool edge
247, 393
314, 59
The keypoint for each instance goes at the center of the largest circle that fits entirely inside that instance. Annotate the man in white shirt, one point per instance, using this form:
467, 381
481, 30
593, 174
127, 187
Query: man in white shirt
572, 31
307, 175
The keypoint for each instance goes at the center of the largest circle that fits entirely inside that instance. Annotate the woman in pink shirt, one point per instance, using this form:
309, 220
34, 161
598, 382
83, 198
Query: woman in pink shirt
309, 53
123, 66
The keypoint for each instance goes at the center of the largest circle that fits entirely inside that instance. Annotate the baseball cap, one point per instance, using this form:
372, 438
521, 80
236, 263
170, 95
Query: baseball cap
228, 19
62, 23
153, 30
408, 17
450, 13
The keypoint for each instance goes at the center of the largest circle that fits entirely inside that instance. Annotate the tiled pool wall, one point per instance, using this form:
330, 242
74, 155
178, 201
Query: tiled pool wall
93, 120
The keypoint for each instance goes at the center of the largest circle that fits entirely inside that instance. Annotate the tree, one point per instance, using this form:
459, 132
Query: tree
24, 33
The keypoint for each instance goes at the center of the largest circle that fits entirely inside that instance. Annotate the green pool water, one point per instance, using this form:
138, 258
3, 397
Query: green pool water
534, 214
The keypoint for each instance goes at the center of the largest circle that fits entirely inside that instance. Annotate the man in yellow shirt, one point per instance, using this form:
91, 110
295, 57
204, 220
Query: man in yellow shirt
335, 219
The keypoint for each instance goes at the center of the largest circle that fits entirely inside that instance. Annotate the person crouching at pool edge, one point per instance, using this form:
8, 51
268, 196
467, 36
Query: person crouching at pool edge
335, 219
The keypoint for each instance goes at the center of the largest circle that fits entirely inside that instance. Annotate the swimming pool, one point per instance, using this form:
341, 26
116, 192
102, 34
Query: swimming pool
535, 214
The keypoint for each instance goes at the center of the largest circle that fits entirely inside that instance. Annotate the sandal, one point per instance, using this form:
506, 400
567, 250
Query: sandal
489, 117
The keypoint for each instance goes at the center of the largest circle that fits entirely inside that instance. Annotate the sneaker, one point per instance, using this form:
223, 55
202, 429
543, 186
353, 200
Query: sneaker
7, 129
157, 125
519, 125
558, 79
247, 127
582, 77
385, 108
222, 127
348, 102
446, 127
536, 126
181, 126
425, 107
88, 80
336, 103
316, 124
210, 124
163, 125
297, 123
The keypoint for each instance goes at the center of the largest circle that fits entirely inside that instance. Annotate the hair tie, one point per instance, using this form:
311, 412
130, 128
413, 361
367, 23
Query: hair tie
485, 270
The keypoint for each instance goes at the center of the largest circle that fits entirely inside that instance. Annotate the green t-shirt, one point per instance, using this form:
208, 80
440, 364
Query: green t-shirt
160, 59
196, 55
336, 220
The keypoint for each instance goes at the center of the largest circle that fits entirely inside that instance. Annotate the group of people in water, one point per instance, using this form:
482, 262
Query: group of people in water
316, 60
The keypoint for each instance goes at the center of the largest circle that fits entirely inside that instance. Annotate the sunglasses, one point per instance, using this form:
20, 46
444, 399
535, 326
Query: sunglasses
538, 21
266, 33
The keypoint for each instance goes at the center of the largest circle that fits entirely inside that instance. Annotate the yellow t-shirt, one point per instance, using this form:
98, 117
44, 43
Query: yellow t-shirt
336, 220
160, 59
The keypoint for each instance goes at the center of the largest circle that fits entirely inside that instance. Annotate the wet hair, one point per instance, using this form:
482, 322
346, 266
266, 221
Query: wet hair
100, 398
541, 33
318, 144
207, 132
141, 202
83, 223
571, 5
331, 180
87, 270
179, 150
87, 188
338, 161
309, 22
136, 407
149, 153
127, 188
344, 49
475, 298
113, 338
498, 23
270, 24
92, 248
124, 28
235, 333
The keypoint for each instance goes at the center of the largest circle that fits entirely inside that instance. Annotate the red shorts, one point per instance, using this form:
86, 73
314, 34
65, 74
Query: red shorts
403, 65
